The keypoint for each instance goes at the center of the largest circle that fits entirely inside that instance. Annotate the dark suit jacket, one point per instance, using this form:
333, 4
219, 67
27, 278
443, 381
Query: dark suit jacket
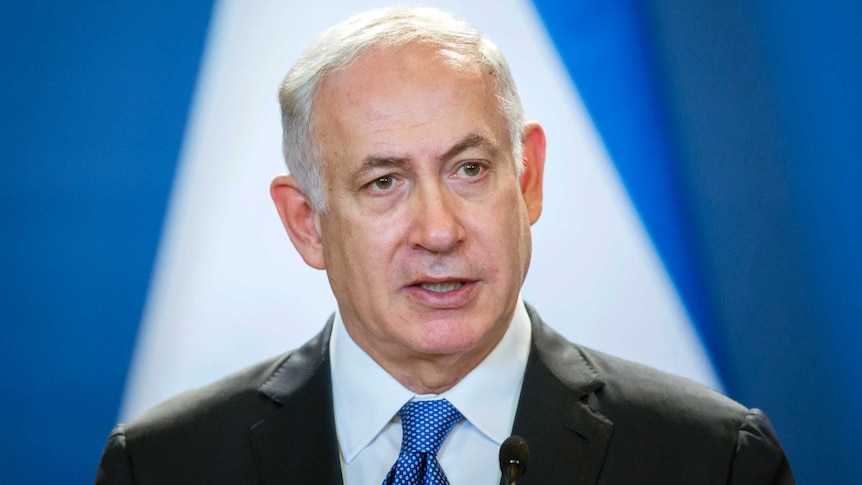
588, 418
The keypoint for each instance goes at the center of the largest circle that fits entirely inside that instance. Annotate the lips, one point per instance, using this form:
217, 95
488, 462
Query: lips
443, 293
443, 287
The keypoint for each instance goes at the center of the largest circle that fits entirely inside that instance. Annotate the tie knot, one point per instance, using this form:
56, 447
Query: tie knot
425, 425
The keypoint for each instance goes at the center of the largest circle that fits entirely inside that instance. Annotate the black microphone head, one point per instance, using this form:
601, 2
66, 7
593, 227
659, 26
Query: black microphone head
514, 452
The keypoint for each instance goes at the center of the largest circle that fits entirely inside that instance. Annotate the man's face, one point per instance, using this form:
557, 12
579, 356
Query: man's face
426, 240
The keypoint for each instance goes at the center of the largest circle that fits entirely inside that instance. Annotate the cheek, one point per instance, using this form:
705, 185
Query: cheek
378, 238
505, 235
365, 244
503, 217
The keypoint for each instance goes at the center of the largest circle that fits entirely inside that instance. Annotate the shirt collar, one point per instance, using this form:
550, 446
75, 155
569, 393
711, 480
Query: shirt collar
366, 397
488, 395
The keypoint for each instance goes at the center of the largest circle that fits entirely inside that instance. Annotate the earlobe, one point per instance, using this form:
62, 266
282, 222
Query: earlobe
300, 219
534, 167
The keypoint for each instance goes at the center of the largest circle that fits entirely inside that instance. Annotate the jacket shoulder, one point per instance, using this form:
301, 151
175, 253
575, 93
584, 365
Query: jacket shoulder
238, 400
232, 396
204, 435
195, 437
683, 428
621, 389
660, 428
630, 385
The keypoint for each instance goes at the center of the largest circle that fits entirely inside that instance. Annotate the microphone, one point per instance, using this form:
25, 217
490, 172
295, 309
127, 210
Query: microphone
514, 456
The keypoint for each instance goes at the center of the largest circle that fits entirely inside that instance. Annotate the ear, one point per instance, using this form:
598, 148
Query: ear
534, 167
299, 219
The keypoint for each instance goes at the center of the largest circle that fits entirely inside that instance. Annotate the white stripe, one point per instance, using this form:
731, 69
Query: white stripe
229, 289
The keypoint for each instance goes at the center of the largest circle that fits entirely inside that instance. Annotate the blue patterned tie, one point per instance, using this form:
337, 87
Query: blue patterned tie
424, 426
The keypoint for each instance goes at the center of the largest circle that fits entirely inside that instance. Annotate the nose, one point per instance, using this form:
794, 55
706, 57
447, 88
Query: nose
436, 220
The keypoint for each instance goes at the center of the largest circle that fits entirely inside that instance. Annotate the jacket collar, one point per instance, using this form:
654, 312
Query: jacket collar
567, 438
297, 443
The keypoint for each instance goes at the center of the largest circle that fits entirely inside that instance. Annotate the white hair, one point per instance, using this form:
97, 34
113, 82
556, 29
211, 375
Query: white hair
342, 44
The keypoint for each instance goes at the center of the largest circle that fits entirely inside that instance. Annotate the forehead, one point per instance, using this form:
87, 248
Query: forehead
392, 94
384, 64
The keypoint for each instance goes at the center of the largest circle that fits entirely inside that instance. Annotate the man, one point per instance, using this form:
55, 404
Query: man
414, 183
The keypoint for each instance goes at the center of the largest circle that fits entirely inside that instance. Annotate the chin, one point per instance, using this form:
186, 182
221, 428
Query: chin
453, 338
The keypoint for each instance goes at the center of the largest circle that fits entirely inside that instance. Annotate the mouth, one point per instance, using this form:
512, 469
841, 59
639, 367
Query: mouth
443, 293
443, 287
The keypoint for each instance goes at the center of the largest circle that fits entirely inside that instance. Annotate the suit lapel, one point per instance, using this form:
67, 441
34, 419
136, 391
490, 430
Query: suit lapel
568, 440
297, 443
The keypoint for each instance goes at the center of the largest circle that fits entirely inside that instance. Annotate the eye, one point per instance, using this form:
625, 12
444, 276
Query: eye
471, 169
383, 183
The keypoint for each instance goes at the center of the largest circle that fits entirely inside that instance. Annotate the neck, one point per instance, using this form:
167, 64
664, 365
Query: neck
431, 373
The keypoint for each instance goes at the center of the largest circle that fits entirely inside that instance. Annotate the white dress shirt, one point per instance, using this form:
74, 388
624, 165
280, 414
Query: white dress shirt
366, 399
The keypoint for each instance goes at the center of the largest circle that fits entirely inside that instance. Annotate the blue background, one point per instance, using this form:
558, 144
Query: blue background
735, 125
94, 104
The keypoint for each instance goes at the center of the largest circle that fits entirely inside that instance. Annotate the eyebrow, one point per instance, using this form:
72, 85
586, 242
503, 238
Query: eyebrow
470, 141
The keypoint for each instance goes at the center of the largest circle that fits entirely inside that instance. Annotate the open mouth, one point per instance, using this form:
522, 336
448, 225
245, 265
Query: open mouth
442, 287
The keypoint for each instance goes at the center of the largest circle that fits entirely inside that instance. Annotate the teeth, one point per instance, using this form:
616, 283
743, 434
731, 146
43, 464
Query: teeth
442, 287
